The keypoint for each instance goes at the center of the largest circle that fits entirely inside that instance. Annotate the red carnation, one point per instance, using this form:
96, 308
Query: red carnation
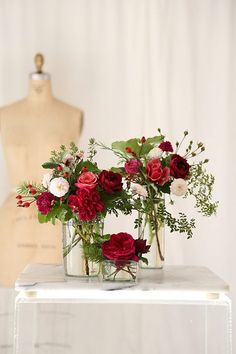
87, 203
179, 167
110, 182
45, 202
166, 146
120, 246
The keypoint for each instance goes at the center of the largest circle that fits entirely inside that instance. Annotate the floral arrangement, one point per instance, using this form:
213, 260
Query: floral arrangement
156, 171
74, 188
119, 251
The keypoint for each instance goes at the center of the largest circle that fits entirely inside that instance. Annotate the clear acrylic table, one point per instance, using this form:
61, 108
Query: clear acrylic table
179, 309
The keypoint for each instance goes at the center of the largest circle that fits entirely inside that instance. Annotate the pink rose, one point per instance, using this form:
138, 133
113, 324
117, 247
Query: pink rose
156, 173
87, 180
132, 166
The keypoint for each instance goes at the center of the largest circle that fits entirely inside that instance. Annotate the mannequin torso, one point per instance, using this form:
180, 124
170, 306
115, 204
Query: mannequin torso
30, 130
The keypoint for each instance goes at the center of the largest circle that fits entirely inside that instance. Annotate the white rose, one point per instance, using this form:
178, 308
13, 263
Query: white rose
46, 179
138, 189
58, 186
155, 153
179, 187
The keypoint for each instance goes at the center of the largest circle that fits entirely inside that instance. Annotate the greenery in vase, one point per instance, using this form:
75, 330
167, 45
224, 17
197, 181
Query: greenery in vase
155, 170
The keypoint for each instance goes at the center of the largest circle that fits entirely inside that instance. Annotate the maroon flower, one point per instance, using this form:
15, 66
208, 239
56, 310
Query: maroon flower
141, 247
132, 166
156, 173
87, 203
45, 202
110, 182
166, 146
120, 246
73, 203
179, 167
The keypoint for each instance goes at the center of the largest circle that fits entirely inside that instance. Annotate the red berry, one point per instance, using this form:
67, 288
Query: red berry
133, 154
128, 149
143, 139
33, 191
19, 197
59, 168
19, 202
26, 204
29, 186
66, 174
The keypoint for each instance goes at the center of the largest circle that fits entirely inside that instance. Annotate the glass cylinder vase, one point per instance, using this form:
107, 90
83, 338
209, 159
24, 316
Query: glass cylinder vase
77, 236
152, 230
119, 270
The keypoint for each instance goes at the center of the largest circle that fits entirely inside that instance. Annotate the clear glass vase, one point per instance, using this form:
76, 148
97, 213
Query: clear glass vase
76, 236
152, 229
119, 270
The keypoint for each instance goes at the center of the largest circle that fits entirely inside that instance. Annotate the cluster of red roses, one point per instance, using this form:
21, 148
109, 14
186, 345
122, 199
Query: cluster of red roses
87, 201
123, 246
159, 170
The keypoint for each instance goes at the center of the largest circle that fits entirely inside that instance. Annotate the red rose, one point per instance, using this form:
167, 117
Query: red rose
87, 180
45, 202
179, 167
121, 246
156, 173
110, 181
166, 146
132, 166
141, 247
87, 203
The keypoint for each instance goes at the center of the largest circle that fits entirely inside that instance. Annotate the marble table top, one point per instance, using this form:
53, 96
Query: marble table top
48, 280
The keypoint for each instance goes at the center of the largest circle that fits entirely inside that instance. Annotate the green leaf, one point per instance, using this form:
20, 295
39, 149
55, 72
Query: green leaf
49, 165
120, 170
119, 145
42, 218
166, 188
155, 139
144, 260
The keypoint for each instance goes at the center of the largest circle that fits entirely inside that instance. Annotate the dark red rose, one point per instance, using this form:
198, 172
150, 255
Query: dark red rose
166, 146
45, 202
110, 182
121, 246
87, 203
179, 167
156, 173
132, 166
141, 247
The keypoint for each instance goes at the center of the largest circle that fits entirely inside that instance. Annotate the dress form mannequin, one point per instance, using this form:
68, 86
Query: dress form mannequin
30, 130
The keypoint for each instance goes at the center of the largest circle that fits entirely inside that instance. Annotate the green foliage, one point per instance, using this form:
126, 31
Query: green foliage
93, 250
200, 187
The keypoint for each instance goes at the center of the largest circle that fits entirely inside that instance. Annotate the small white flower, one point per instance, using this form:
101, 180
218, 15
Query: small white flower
46, 179
58, 186
67, 158
155, 153
138, 189
179, 187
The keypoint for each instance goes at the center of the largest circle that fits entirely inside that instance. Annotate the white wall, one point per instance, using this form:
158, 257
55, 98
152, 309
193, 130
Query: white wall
133, 66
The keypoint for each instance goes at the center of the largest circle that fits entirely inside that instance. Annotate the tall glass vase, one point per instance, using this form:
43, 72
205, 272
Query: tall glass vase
76, 236
152, 229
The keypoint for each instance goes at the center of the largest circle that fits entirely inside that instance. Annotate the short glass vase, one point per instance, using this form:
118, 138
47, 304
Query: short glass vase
119, 270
